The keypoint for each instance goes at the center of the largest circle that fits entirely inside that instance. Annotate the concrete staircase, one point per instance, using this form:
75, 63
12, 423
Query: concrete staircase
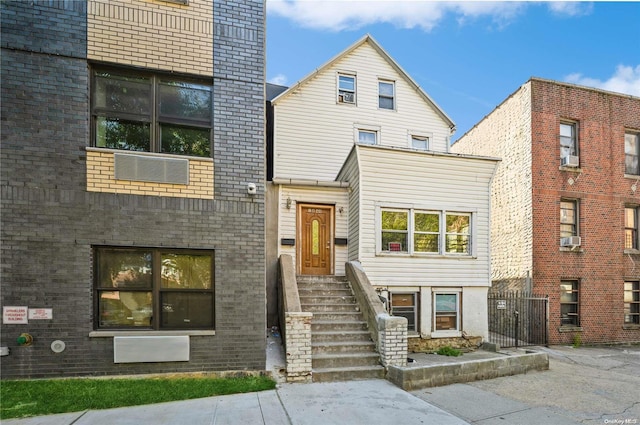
341, 343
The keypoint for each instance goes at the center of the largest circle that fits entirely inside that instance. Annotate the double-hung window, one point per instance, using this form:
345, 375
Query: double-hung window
458, 233
405, 305
150, 288
569, 144
569, 303
631, 153
632, 303
386, 95
446, 311
395, 230
425, 232
151, 113
631, 227
568, 218
346, 88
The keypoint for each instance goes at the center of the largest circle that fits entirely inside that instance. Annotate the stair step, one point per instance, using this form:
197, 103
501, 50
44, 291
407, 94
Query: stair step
337, 325
330, 308
337, 316
347, 373
340, 336
329, 299
324, 361
311, 292
323, 347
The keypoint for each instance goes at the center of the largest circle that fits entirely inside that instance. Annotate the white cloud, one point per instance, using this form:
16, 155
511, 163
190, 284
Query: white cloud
570, 8
279, 79
338, 15
626, 79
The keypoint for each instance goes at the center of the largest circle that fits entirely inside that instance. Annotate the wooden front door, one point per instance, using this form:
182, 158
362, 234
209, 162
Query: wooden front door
315, 233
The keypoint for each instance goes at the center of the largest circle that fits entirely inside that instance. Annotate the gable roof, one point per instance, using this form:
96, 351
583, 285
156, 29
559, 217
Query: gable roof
368, 39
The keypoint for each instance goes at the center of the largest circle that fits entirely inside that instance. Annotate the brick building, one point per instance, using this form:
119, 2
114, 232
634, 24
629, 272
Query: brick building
566, 205
132, 195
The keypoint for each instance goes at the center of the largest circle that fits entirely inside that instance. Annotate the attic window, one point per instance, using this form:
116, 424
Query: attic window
386, 95
346, 88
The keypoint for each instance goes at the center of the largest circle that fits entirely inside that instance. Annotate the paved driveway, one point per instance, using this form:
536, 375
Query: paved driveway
582, 386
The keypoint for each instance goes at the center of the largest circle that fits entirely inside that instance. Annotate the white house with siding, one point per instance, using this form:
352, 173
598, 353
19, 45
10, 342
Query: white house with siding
361, 171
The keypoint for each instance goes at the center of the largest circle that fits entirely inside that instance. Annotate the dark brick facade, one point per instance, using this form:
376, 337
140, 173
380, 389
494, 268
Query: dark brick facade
600, 265
50, 222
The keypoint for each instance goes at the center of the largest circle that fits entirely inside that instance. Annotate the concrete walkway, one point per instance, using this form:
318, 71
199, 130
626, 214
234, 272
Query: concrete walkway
354, 403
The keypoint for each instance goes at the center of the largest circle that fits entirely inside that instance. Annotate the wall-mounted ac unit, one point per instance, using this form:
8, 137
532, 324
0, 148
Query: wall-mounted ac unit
570, 161
347, 98
571, 241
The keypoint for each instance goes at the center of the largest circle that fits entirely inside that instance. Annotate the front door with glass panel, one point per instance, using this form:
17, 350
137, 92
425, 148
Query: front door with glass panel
315, 232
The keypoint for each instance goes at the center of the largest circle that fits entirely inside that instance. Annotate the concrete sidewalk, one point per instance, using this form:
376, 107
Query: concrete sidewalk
370, 402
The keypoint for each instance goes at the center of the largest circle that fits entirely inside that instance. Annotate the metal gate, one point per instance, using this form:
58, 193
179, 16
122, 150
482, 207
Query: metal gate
518, 319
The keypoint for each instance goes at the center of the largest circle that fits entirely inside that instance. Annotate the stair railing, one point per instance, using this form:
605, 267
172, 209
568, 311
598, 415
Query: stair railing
388, 332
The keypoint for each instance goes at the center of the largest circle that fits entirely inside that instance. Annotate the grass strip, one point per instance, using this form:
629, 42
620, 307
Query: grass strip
25, 398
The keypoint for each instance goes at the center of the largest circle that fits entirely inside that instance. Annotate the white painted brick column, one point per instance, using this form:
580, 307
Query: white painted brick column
298, 346
392, 340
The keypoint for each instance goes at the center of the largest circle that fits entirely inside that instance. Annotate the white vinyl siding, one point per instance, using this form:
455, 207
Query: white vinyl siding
308, 119
313, 195
451, 184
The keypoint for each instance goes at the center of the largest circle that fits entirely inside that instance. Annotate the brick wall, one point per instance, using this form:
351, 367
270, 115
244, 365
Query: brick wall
101, 178
152, 34
505, 134
600, 265
50, 221
298, 346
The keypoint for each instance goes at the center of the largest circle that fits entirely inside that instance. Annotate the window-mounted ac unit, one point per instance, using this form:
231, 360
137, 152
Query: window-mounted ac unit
570, 161
571, 241
347, 98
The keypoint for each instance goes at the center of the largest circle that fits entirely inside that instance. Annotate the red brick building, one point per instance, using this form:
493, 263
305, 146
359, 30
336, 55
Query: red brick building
566, 205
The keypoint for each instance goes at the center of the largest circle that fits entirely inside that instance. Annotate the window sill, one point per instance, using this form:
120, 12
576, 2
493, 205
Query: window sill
632, 251
425, 255
154, 154
572, 169
563, 329
567, 249
631, 176
111, 334
446, 334
631, 327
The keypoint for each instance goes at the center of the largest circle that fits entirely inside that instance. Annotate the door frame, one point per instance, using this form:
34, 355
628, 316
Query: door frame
299, 233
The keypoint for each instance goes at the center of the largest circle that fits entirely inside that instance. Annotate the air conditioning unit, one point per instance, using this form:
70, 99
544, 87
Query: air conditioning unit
347, 98
571, 241
571, 161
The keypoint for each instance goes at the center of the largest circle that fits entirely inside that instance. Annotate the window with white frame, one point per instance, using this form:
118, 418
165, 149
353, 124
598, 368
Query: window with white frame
425, 232
395, 230
446, 311
631, 153
632, 303
420, 142
569, 143
405, 305
631, 228
458, 233
346, 88
386, 95
367, 137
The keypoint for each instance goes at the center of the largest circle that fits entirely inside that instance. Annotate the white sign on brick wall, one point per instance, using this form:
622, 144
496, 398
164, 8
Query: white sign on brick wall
15, 315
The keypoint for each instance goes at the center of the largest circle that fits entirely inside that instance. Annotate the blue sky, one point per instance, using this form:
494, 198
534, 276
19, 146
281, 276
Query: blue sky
468, 56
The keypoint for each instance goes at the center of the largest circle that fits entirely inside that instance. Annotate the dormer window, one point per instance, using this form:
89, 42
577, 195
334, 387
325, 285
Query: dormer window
420, 143
346, 88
